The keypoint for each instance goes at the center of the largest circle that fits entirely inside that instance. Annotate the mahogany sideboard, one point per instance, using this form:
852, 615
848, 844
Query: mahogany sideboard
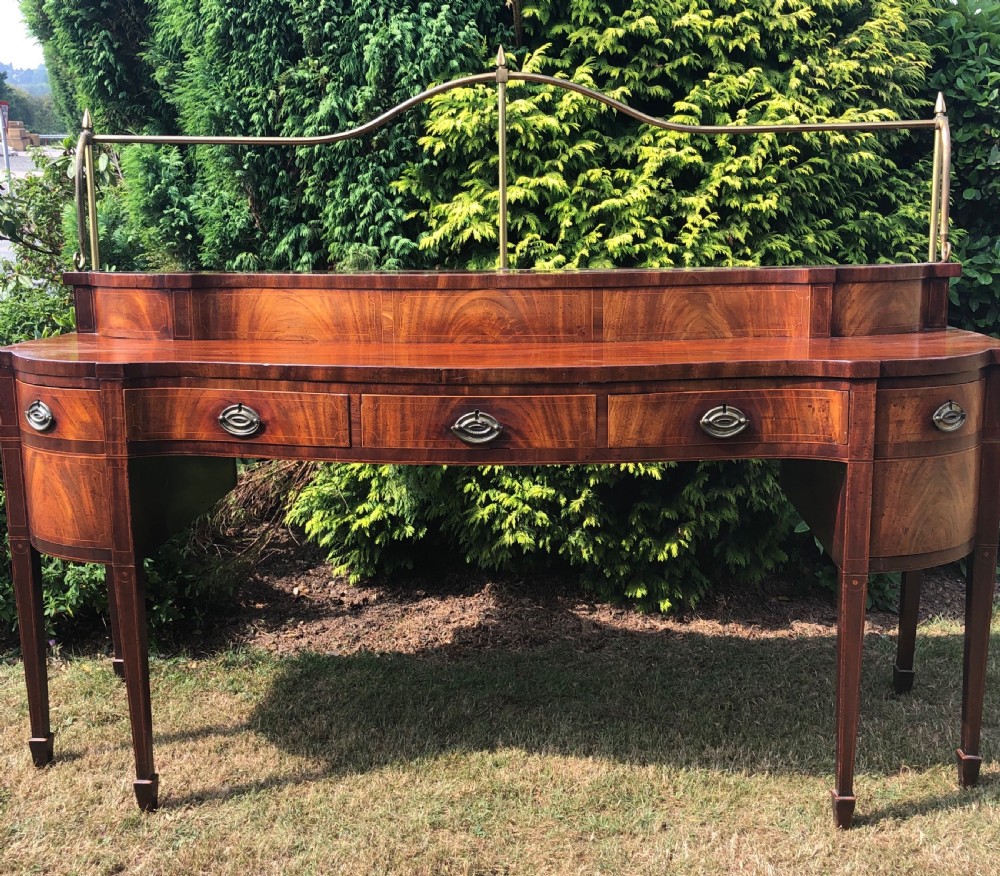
887, 422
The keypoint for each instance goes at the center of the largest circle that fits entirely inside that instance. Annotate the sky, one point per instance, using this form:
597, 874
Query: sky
16, 46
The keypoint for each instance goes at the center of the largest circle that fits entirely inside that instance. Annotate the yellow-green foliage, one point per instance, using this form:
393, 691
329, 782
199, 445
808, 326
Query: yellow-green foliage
589, 188
969, 75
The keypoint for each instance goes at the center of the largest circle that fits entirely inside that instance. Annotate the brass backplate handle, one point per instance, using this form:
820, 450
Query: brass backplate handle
39, 416
724, 421
477, 428
949, 417
240, 421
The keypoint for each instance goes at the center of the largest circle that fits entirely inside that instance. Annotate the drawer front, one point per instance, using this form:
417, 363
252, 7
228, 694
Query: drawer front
67, 414
905, 419
537, 421
785, 416
258, 416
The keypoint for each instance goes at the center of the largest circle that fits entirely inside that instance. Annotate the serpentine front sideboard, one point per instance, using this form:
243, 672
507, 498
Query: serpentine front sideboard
888, 423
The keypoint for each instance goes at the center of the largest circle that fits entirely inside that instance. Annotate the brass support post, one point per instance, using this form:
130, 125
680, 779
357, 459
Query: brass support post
80, 257
88, 163
935, 197
942, 132
502, 75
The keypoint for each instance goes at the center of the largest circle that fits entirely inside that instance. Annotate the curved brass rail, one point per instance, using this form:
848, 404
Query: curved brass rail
938, 245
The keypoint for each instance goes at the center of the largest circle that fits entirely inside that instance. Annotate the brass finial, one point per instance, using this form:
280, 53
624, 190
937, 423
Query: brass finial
939, 106
88, 122
503, 74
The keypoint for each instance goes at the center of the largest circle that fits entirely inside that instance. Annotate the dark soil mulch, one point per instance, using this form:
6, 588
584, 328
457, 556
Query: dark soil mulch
292, 602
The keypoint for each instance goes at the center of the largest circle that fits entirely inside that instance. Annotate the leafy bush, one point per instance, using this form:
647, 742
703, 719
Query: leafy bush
264, 67
651, 533
968, 72
590, 189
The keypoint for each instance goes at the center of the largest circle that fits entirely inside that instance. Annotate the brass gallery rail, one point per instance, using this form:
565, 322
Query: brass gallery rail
886, 421
938, 246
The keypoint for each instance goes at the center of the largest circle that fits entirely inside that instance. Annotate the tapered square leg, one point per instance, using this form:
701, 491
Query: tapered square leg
850, 641
128, 584
980, 583
127, 599
981, 567
978, 614
27, 574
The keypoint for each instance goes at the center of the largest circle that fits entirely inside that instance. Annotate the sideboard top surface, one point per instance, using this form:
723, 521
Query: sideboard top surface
937, 352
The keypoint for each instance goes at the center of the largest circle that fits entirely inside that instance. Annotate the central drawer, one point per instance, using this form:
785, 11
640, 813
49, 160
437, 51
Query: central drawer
513, 422
737, 416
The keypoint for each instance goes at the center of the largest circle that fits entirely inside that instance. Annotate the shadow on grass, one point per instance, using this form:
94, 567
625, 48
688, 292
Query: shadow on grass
681, 700
960, 798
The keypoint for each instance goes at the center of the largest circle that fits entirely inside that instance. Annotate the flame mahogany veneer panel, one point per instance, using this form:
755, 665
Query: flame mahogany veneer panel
924, 505
286, 315
707, 312
892, 307
69, 500
77, 413
490, 315
121, 313
904, 423
516, 306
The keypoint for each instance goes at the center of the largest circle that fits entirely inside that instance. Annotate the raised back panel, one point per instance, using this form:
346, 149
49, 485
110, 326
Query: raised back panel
560, 307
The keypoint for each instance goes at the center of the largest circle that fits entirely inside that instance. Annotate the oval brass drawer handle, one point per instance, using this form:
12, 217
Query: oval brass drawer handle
477, 428
724, 421
39, 416
950, 416
240, 420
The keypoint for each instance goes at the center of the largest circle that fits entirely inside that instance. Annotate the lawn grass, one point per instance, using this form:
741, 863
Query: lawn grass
679, 753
